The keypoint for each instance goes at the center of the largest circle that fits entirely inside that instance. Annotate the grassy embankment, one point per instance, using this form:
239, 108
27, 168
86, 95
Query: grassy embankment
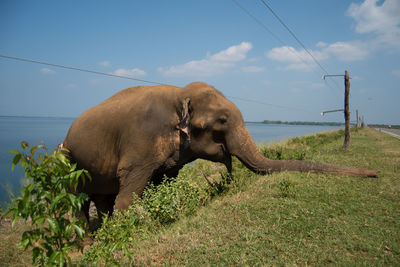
279, 219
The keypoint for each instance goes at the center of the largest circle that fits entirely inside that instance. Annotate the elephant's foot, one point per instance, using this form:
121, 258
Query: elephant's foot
122, 202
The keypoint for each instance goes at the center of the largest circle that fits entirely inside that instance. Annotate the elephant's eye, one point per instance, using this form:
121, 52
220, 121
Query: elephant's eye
222, 120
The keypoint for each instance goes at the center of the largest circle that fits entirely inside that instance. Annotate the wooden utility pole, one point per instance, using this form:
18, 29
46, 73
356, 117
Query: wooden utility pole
346, 110
346, 107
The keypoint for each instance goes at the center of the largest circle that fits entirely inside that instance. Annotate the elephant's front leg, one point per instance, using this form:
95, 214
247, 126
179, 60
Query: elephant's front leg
131, 182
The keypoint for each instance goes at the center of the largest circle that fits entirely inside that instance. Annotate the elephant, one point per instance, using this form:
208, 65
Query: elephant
142, 133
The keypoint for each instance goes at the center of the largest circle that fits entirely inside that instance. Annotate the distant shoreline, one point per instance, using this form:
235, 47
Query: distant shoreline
314, 123
37, 117
311, 123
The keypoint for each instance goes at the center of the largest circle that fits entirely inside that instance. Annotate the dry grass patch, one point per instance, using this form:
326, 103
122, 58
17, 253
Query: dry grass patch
10, 254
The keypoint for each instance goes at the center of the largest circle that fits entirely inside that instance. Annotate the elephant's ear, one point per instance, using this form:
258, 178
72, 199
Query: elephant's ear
184, 123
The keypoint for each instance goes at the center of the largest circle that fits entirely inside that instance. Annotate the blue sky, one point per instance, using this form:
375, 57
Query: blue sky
178, 42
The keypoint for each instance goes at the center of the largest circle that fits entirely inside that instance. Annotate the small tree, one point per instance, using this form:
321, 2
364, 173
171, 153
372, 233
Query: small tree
47, 204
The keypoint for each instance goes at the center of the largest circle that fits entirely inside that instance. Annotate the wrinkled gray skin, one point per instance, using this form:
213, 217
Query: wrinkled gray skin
142, 133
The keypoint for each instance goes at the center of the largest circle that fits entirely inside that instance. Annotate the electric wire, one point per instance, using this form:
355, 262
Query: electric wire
295, 37
291, 49
262, 25
77, 69
134, 79
269, 104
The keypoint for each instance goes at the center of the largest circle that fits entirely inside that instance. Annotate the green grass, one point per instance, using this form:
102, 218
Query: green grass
280, 219
295, 218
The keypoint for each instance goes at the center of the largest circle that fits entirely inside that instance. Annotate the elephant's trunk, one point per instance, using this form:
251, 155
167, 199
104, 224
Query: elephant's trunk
243, 147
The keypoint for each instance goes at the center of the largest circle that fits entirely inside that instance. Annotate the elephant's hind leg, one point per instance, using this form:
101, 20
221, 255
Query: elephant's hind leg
84, 212
84, 215
104, 204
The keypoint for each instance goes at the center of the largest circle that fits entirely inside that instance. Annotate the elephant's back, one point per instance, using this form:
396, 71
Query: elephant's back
137, 94
113, 110
95, 138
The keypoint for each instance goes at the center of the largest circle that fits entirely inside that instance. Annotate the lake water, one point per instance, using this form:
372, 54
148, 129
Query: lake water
52, 131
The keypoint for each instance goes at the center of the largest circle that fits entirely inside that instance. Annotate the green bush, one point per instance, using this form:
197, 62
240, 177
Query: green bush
283, 153
171, 199
317, 140
159, 205
116, 235
47, 204
218, 187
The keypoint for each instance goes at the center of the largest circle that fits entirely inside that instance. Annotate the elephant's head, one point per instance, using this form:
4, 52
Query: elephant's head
215, 130
211, 121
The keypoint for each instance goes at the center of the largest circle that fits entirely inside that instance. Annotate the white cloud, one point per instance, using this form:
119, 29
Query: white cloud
296, 59
348, 51
129, 72
47, 71
301, 60
290, 54
252, 69
383, 20
232, 54
105, 63
396, 73
212, 64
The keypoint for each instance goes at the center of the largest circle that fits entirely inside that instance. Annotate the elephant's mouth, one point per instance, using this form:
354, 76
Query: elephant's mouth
227, 158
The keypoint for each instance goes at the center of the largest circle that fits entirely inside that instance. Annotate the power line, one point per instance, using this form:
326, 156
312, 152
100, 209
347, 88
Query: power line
77, 69
268, 104
134, 79
259, 22
296, 38
282, 42
269, 31
293, 35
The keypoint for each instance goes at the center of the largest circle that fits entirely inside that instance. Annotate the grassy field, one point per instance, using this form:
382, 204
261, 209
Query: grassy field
280, 219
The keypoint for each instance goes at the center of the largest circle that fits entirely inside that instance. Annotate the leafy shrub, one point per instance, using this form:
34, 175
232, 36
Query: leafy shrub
47, 204
117, 234
171, 199
317, 140
283, 153
159, 205
218, 187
